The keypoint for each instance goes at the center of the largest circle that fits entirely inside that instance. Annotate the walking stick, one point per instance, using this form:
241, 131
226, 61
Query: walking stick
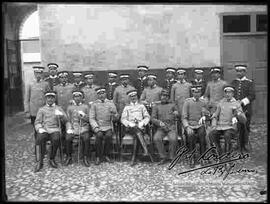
60, 138
79, 140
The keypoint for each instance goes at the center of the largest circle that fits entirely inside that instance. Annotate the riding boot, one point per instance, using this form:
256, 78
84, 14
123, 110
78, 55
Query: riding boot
41, 152
135, 147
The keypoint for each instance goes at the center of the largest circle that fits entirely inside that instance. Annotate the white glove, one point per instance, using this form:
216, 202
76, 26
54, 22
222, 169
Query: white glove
234, 120
81, 113
131, 124
141, 125
41, 130
161, 124
202, 120
57, 112
70, 131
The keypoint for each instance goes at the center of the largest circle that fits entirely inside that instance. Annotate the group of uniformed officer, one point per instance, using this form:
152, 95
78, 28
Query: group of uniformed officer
61, 111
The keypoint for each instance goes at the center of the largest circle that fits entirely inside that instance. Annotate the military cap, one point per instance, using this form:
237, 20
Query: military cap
152, 76
38, 68
142, 67
215, 69
198, 71
52, 66
77, 74
63, 74
50, 93
165, 92
196, 88
181, 71
112, 74
228, 88
132, 92
100, 90
240, 67
89, 76
123, 76
170, 69
77, 93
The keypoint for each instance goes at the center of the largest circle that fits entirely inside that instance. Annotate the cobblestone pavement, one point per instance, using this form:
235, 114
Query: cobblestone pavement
120, 182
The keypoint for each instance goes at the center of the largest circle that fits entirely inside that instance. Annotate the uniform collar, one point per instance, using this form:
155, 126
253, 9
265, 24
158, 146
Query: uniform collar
142, 78
101, 101
153, 86
196, 80
111, 84
124, 86
53, 77
134, 104
63, 84
232, 100
194, 99
53, 105
170, 80
184, 81
90, 86
242, 79
78, 104
78, 83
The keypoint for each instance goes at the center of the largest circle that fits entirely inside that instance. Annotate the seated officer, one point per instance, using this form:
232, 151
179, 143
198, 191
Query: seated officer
134, 117
193, 116
47, 125
101, 115
164, 117
78, 124
225, 118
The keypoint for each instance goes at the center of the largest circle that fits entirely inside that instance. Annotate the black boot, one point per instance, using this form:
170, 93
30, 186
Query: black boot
85, 161
40, 151
39, 166
52, 163
68, 161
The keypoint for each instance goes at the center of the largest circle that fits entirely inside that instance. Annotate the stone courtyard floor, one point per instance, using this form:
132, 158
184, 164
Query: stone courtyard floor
120, 182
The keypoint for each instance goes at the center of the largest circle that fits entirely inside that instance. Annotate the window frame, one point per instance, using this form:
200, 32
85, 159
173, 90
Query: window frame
253, 22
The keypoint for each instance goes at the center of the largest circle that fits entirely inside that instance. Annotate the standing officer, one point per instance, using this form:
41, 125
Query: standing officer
34, 94
78, 82
179, 93
63, 90
170, 79
141, 82
198, 79
111, 85
78, 125
52, 78
164, 117
135, 117
244, 92
120, 97
47, 124
193, 117
225, 118
89, 89
151, 93
214, 89
101, 115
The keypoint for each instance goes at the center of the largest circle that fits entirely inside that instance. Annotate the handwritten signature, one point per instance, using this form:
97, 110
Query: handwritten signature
219, 167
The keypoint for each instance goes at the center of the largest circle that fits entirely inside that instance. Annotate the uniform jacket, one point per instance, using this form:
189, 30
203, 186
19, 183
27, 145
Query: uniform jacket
53, 81
202, 83
164, 112
135, 112
47, 119
224, 113
35, 96
64, 94
151, 95
74, 118
214, 91
101, 115
140, 84
167, 84
90, 93
244, 91
110, 88
180, 92
192, 111
120, 97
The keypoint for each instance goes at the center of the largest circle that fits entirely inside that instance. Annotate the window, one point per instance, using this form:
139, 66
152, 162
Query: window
261, 23
236, 23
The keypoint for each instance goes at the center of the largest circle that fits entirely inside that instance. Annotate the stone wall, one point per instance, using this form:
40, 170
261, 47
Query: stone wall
116, 37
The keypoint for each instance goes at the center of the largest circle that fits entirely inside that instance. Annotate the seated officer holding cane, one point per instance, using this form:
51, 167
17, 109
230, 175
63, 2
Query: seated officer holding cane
78, 125
48, 127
